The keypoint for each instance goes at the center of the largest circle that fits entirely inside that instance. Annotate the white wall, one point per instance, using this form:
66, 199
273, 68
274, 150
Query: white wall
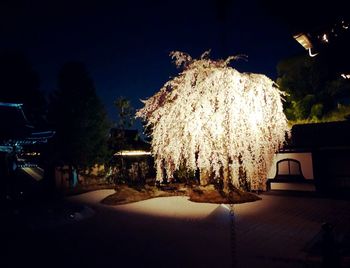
305, 160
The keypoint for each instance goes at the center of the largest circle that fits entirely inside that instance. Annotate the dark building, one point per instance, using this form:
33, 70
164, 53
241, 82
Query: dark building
20, 149
132, 161
316, 158
127, 139
330, 147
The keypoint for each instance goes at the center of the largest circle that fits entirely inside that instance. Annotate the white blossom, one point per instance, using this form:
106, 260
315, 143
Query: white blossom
213, 118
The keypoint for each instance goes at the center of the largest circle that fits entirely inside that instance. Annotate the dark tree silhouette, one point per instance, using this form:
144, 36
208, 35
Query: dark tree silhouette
19, 83
125, 113
314, 90
79, 118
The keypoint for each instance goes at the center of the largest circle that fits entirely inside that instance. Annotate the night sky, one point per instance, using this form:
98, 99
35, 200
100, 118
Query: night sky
126, 44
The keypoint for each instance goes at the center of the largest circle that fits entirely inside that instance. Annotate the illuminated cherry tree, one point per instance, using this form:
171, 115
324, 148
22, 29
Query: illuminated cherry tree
213, 118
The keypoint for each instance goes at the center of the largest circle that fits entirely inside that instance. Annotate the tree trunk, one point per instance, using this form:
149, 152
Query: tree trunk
226, 179
204, 177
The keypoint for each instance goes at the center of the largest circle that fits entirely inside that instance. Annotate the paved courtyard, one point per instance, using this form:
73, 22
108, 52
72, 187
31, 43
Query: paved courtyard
174, 232
278, 231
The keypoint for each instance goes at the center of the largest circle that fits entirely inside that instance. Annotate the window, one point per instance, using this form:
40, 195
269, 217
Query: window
288, 168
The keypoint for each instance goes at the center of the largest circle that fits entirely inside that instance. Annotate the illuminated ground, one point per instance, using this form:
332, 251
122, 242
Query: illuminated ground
174, 232
276, 232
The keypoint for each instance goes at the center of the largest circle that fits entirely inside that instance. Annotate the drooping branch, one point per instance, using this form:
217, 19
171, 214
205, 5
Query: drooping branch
211, 117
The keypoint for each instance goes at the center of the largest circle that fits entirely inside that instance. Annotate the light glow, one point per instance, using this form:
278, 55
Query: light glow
325, 38
303, 40
133, 153
31, 153
345, 25
213, 118
312, 54
16, 105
